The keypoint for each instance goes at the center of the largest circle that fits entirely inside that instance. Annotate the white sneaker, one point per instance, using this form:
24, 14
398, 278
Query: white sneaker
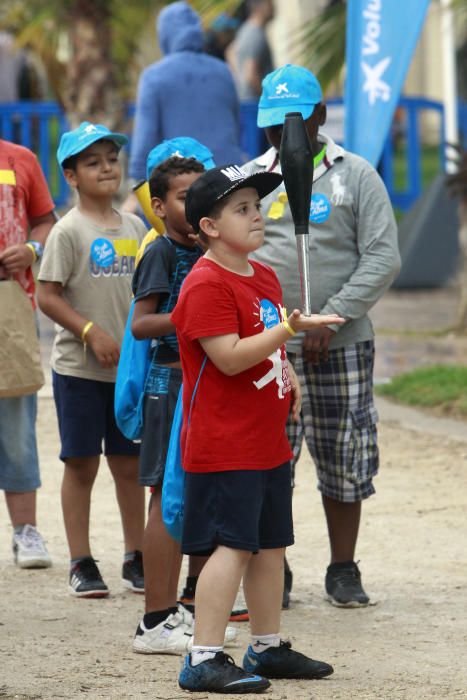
172, 636
230, 632
29, 549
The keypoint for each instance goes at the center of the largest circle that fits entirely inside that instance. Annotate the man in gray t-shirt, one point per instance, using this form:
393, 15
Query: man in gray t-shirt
250, 55
353, 260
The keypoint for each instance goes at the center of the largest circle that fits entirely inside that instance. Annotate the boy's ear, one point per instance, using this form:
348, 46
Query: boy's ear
70, 177
158, 207
322, 115
209, 227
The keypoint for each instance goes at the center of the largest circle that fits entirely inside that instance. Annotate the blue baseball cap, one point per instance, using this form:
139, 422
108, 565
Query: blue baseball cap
288, 89
183, 147
76, 141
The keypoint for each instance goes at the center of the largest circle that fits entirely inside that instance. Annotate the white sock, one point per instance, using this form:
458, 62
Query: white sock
262, 642
200, 654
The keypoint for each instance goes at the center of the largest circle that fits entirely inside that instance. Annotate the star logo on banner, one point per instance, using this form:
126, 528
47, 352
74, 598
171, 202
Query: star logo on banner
282, 87
376, 88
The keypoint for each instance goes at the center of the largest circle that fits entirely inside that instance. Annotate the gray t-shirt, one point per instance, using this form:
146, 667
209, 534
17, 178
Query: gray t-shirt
251, 43
354, 253
95, 266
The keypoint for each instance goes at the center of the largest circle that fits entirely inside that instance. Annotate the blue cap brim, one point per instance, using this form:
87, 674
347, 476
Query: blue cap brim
273, 116
118, 139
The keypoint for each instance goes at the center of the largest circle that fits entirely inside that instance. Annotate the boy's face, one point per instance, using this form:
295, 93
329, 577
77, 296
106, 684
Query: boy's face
312, 124
97, 171
240, 225
172, 209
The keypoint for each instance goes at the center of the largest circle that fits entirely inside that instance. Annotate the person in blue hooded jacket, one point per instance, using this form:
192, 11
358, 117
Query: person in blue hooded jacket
187, 92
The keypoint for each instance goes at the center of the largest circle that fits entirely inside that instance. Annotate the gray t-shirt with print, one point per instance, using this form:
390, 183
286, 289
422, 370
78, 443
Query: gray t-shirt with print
353, 241
95, 266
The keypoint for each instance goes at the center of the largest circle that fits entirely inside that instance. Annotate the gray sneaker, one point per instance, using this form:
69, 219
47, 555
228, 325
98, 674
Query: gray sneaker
29, 549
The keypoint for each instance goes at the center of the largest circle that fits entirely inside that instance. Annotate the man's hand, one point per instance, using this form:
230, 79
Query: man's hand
316, 343
16, 258
103, 346
296, 405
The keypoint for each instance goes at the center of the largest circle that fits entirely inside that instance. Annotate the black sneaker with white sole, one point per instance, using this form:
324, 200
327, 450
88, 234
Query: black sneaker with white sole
284, 662
344, 586
86, 580
133, 574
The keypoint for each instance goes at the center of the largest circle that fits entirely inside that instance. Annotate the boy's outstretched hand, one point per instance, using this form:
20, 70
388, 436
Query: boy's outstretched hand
300, 322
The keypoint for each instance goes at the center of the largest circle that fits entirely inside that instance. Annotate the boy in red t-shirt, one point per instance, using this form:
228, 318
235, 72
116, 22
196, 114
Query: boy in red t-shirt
235, 450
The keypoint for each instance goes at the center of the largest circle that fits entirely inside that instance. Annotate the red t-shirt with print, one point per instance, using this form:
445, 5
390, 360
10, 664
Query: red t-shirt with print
24, 195
236, 422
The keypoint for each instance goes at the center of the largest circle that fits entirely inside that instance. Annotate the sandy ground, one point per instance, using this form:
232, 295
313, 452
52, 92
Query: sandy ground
412, 644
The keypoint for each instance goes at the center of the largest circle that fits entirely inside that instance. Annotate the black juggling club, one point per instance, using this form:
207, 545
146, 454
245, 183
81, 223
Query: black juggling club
296, 158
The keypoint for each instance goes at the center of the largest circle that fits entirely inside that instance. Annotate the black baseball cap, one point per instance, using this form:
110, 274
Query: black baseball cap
217, 183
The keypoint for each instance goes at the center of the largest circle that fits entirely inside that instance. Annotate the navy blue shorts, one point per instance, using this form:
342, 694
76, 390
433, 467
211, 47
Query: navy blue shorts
241, 509
85, 412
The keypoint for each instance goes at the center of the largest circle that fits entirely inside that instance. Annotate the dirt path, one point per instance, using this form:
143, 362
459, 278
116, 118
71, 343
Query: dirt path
411, 645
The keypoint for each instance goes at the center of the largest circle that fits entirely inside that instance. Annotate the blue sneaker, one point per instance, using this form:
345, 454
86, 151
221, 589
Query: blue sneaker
284, 662
220, 675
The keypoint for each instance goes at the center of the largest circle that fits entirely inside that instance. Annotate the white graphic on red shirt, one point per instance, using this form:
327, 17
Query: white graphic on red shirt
269, 317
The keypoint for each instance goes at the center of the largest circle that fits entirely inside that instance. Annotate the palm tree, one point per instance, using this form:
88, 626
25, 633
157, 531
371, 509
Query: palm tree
91, 48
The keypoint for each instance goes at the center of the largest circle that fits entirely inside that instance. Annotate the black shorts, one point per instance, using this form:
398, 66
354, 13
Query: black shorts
85, 412
241, 509
158, 415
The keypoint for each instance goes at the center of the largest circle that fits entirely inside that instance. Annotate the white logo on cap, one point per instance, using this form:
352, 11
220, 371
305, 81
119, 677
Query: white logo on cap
282, 87
176, 154
234, 173
90, 129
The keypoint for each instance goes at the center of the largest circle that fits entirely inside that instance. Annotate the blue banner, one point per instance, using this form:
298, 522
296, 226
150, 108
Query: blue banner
381, 38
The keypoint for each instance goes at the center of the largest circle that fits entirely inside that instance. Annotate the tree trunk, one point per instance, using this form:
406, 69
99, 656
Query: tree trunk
91, 92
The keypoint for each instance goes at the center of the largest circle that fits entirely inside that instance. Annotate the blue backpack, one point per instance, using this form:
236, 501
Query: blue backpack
132, 371
133, 367
174, 475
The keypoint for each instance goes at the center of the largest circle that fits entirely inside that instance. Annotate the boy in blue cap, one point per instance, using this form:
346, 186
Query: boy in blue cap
166, 627
85, 287
353, 260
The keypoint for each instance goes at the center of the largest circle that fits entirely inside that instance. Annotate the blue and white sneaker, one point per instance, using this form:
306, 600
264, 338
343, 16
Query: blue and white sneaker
220, 675
284, 662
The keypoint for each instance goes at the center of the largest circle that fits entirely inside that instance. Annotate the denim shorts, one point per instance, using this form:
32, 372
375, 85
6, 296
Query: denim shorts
86, 418
241, 509
19, 462
158, 413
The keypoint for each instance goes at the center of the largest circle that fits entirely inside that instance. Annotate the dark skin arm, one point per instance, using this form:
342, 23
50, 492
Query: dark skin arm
52, 303
147, 323
19, 257
316, 343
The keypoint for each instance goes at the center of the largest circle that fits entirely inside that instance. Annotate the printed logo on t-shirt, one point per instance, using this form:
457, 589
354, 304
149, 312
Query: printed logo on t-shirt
268, 313
270, 316
320, 208
102, 252
113, 259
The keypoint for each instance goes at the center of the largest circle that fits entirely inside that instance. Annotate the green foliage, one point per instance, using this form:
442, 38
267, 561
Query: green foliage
320, 44
443, 387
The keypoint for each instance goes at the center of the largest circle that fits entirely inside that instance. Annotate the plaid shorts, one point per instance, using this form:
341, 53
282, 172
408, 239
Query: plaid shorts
338, 421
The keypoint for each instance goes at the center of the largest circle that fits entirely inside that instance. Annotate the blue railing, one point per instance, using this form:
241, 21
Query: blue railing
39, 125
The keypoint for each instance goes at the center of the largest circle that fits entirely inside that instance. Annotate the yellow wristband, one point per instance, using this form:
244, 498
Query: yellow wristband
31, 247
86, 330
288, 327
